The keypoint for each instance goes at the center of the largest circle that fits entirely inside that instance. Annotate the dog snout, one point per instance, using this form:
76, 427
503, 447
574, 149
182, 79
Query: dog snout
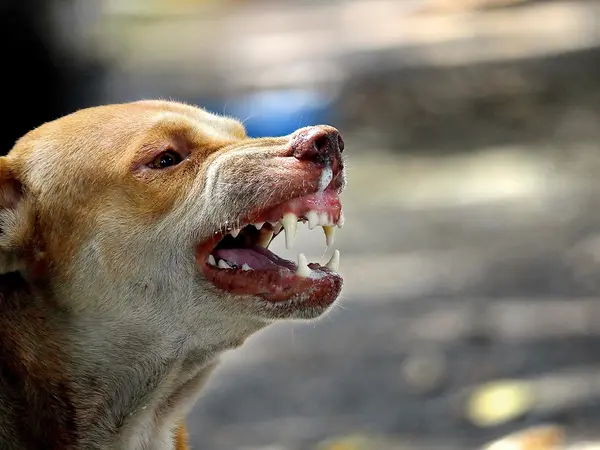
321, 144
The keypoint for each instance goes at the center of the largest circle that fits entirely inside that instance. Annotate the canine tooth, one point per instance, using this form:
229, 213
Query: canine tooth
313, 219
235, 233
223, 265
329, 234
290, 225
303, 270
246, 267
211, 260
340, 223
265, 238
334, 262
258, 225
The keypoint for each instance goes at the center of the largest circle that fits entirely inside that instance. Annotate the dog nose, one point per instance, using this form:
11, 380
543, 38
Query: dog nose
322, 144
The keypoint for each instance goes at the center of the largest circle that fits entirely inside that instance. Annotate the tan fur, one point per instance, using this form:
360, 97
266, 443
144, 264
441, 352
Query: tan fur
181, 439
107, 330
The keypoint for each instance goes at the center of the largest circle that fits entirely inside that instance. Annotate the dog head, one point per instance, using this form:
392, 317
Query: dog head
159, 209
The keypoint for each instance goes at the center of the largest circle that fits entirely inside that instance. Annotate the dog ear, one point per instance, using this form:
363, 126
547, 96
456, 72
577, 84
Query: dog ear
15, 220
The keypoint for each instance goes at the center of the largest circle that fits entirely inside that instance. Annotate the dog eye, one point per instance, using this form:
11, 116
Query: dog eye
166, 159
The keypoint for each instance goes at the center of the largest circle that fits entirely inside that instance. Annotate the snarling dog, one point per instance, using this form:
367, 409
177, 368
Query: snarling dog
133, 250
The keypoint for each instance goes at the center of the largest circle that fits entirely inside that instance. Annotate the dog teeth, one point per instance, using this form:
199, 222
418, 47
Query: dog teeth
223, 265
313, 219
265, 238
329, 234
290, 225
334, 262
323, 219
303, 270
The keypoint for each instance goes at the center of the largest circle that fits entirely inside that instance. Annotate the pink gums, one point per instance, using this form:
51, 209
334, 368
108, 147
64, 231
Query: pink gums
321, 202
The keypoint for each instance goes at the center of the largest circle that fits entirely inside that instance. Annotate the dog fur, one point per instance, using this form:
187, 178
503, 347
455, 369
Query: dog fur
107, 329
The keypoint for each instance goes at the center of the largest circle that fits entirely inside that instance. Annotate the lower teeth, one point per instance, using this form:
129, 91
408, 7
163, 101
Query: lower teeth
302, 270
223, 265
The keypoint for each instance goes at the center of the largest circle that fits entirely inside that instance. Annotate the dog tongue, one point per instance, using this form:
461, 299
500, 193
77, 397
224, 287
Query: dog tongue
258, 258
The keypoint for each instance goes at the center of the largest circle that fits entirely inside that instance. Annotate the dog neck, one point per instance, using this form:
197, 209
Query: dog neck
90, 382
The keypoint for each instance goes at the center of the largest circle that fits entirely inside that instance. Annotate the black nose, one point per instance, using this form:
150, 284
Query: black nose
321, 144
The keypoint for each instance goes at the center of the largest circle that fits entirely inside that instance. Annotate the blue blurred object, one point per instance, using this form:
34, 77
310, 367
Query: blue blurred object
277, 113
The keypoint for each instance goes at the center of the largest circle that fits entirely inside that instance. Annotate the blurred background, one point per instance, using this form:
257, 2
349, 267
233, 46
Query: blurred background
471, 249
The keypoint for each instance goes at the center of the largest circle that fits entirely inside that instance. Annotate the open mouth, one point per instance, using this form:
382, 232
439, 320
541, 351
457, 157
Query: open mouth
239, 260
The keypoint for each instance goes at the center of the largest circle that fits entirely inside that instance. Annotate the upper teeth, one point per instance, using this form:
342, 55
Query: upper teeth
290, 225
329, 234
313, 219
324, 219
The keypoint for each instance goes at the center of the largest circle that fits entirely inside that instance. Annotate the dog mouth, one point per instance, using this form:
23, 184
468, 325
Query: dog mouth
239, 261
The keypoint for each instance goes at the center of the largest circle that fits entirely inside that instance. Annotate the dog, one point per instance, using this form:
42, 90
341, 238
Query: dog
134, 250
